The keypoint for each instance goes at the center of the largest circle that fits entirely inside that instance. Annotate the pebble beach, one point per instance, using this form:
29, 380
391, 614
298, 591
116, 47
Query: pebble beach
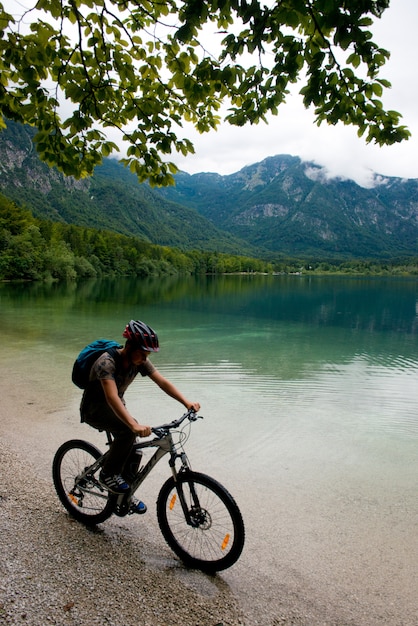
53, 570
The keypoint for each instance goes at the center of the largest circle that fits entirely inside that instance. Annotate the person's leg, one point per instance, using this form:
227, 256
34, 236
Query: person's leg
120, 455
119, 451
131, 466
103, 418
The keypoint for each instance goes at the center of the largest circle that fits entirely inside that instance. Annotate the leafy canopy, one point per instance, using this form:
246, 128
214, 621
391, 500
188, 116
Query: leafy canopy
146, 67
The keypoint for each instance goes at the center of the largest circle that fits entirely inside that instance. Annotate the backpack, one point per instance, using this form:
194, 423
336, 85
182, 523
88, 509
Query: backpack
86, 358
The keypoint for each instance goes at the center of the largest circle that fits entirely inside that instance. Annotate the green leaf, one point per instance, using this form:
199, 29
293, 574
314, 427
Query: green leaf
125, 70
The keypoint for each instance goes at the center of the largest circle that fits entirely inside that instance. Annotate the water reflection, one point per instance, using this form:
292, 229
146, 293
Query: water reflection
369, 304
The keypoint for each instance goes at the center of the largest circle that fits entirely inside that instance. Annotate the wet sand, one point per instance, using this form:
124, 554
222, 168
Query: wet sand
357, 568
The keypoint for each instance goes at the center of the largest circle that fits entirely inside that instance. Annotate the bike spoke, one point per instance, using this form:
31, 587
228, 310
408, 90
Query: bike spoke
77, 487
211, 534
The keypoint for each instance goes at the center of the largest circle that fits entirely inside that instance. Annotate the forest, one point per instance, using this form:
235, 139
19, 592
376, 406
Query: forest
37, 249
41, 250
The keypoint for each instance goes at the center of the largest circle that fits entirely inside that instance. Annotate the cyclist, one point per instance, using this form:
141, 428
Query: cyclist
103, 405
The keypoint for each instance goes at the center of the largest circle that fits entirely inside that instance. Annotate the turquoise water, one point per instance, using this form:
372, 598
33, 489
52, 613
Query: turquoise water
309, 391
327, 360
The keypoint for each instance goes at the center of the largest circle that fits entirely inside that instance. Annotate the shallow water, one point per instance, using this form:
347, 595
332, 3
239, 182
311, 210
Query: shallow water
308, 389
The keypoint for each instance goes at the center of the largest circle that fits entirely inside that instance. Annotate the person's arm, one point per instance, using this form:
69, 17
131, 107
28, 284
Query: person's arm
120, 410
172, 391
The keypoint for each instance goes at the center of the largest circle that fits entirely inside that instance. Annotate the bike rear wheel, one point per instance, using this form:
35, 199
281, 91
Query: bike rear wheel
209, 534
78, 488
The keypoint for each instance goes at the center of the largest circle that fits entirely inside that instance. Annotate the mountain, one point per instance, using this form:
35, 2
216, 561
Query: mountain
278, 207
285, 205
112, 199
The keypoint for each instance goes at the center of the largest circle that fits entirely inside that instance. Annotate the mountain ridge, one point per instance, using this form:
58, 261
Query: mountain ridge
289, 206
279, 207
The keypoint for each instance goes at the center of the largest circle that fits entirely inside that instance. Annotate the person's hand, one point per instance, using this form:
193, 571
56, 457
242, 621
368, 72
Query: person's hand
193, 405
142, 431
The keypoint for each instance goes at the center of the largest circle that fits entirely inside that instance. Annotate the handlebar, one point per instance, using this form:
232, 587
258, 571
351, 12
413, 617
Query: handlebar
161, 431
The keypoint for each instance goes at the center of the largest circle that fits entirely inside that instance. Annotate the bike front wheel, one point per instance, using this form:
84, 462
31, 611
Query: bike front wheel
200, 521
77, 486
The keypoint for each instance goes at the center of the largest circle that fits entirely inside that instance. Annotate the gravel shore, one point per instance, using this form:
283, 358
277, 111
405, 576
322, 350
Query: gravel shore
55, 571
346, 565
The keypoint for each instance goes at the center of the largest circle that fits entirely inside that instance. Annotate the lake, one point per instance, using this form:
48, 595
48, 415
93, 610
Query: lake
308, 387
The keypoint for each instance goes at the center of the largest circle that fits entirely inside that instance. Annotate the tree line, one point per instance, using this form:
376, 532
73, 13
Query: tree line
401, 266
35, 249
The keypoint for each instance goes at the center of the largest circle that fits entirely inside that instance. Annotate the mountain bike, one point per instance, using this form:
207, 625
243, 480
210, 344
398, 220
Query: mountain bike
198, 517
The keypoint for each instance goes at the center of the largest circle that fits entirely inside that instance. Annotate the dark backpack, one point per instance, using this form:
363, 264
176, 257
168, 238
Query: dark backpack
86, 358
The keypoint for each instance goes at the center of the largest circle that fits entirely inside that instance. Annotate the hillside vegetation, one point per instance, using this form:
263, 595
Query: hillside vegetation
112, 199
34, 249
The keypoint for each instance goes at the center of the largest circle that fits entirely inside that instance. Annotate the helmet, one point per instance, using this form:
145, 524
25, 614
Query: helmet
141, 335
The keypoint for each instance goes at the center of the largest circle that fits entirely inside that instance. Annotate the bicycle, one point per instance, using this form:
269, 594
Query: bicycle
198, 517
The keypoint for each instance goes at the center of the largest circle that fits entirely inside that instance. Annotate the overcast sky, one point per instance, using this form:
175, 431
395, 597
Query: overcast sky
337, 148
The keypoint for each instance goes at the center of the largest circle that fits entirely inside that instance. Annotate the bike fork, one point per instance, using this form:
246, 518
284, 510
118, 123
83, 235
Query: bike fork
190, 512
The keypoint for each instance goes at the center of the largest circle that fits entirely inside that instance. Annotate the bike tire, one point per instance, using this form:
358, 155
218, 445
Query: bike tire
84, 499
215, 538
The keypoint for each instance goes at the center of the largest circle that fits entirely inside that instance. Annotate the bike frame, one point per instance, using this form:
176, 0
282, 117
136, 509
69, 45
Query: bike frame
164, 444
